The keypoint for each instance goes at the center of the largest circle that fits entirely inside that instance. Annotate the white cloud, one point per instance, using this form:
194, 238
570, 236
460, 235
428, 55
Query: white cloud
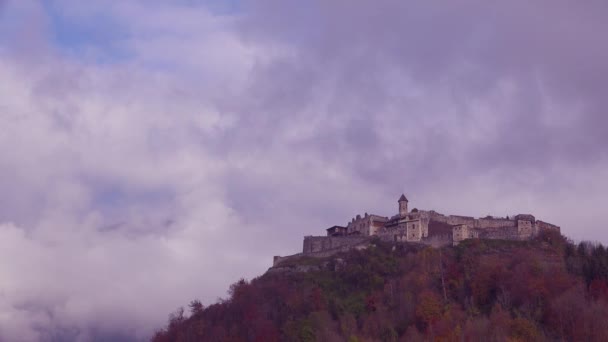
132, 186
115, 196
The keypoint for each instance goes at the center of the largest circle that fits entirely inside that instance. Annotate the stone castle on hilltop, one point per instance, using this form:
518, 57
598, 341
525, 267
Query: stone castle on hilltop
418, 226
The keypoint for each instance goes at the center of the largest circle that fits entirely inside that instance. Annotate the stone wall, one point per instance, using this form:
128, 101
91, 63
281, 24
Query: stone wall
391, 235
494, 223
540, 225
279, 259
525, 229
324, 246
315, 244
438, 240
470, 221
460, 232
375, 227
435, 216
414, 230
411, 231
451, 219
366, 225
503, 233
322, 254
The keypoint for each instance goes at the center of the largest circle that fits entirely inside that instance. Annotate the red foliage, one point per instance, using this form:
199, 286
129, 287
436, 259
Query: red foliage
598, 289
493, 291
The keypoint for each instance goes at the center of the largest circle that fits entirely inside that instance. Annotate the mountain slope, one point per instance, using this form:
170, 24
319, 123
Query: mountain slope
490, 290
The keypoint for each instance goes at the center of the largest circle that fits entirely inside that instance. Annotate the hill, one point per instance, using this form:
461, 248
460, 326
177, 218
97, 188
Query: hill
481, 290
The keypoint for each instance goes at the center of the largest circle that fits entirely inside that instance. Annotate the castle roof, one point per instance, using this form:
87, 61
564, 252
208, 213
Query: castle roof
402, 198
335, 227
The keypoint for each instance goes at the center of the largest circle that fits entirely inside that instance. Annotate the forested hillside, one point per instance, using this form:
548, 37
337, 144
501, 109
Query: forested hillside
482, 290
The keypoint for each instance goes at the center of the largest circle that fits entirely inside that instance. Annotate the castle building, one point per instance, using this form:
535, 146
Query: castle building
409, 226
366, 225
420, 226
402, 206
336, 231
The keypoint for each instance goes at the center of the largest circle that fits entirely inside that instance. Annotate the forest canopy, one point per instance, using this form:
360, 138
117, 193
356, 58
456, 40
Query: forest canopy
486, 290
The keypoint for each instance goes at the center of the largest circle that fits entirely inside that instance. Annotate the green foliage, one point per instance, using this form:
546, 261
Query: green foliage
300, 331
543, 289
429, 307
388, 334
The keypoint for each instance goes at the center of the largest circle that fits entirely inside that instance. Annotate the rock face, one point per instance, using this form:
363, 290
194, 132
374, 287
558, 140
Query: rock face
419, 226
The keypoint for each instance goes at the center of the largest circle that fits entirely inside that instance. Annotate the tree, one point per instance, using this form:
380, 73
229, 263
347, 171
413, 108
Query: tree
196, 307
429, 308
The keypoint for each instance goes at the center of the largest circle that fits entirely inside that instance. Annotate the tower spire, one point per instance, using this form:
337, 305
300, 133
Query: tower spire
402, 205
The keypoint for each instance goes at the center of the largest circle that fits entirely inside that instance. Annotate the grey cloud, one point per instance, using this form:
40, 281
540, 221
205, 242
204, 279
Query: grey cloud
548, 51
277, 122
446, 92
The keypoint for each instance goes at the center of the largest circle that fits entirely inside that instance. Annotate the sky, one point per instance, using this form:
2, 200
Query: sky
153, 152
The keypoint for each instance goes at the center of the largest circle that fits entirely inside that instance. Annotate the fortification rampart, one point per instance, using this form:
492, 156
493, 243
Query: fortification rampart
418, 226
471, 222
314, 244
502, 233
322, 254
280, 259
324, 246
438, 240
489, 223
546, 226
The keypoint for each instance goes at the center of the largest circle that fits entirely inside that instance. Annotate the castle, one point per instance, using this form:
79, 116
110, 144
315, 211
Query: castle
418, 226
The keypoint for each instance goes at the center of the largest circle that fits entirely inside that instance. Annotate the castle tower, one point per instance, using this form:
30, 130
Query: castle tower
402, 206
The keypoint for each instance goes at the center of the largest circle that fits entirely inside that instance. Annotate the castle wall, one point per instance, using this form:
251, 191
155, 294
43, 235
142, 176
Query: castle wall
459, 233
279, 259
470, 221
315, 244
424, 220
525, 229
408, 229
392, 235
414, 227
503, 233
324, 246
366, 225
438, 240
435, 216
540, 225
494, 223
414, 230
375, 227
451, 219
321, 254
454, 220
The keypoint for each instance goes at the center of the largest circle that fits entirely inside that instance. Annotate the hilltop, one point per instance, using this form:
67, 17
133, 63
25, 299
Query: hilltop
545, 288
426, 227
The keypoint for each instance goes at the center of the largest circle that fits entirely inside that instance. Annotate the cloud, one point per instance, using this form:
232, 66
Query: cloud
176, 150
443, 46
440, 90
111, 200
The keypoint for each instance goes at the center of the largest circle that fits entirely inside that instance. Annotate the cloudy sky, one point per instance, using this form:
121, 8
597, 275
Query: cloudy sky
153, 152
